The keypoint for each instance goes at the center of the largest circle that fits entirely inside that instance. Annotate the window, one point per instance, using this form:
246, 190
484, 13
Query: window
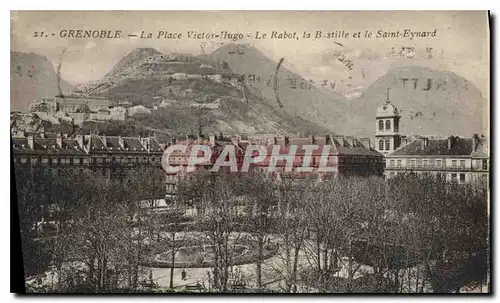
485, 164
412, 163
34, 160
380, 125
454, 163
438, 162
387, 145
85, 160
99, 160
24, 159
462, 163
76, 161
388, 125
399, 163
462, 177
425, 163
381, 145
113, 159
45, 160
392, 163
453, 177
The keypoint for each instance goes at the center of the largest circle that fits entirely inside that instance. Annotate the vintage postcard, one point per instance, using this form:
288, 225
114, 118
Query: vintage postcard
252, 151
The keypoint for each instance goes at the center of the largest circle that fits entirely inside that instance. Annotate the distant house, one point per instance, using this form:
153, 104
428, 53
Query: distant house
138, 109
179, 76
194, 76
215, 77
166, 102
118, 113
232, 79
79, 118
212, 105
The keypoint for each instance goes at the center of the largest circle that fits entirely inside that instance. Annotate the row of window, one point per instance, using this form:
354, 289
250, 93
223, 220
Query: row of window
358, 160
387, 125
84, 160
453, 176
382, 143
438, 163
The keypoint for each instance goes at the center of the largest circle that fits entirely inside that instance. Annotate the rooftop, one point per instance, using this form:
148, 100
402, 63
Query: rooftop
452, 146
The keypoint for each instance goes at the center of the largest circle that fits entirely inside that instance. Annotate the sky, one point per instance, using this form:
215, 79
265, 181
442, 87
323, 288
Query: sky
461, 44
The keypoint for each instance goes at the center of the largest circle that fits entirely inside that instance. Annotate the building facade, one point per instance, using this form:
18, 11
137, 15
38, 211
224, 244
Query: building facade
347, 156
114, 157
455, 158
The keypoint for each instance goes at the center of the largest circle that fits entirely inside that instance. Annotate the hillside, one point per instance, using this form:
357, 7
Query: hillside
432, 102
32, 77
295, 93
148, 77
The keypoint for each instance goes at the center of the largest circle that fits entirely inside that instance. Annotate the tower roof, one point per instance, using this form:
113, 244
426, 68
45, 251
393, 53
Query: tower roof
387, 110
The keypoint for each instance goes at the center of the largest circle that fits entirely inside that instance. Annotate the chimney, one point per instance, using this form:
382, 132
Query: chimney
366, 142
350, 140
450, 142
121, 142
59, 140
340, 140
313, 140
425, 142
275, 140
235, 140
287, 140
79, 140
31, 141
328, 140
212, 140
475, 141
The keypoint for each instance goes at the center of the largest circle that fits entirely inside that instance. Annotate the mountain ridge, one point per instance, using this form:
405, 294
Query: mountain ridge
144, 76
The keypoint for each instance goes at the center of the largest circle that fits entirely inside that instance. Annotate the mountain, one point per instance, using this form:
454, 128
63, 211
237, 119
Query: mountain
32, 77
295, 93
273, 98
431, 102
148, 77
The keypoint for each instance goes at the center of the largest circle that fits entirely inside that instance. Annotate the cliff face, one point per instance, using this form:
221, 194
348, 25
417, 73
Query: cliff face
32, 77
